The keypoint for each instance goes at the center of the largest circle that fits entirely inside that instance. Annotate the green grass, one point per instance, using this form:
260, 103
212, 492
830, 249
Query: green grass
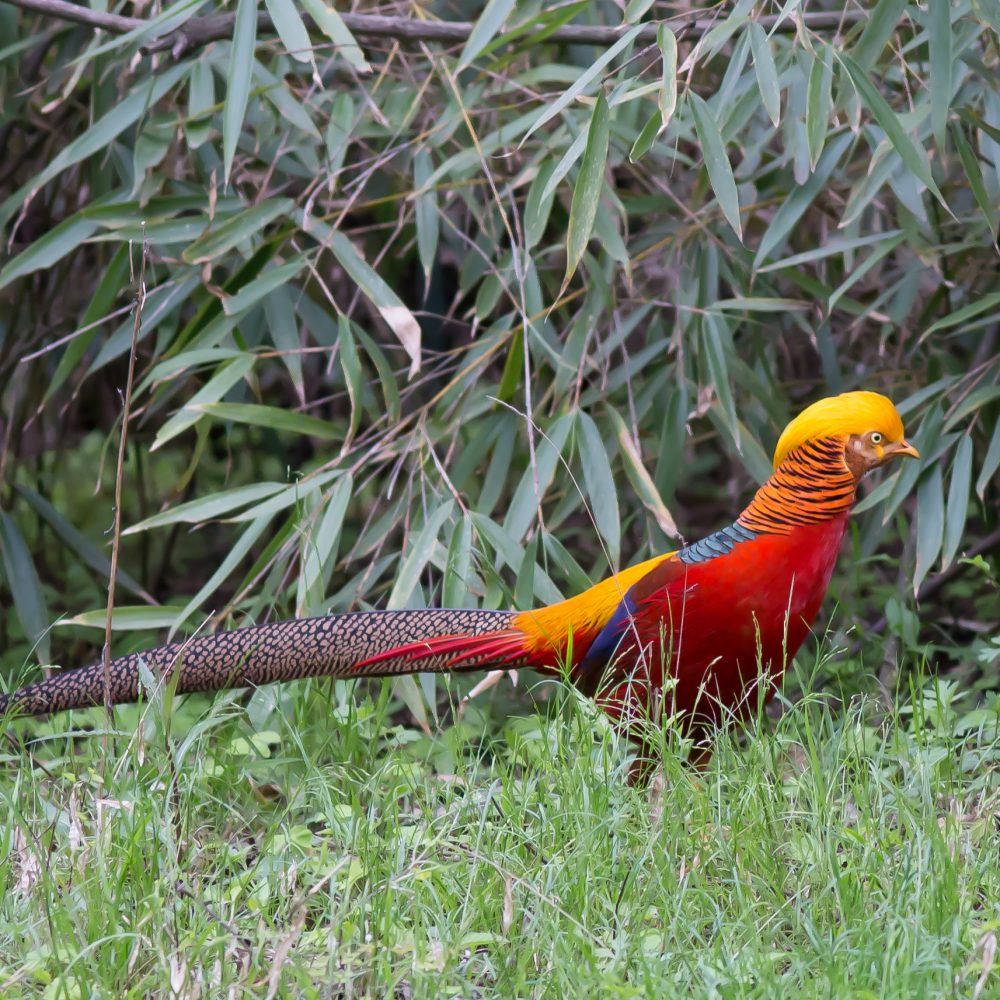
305, 842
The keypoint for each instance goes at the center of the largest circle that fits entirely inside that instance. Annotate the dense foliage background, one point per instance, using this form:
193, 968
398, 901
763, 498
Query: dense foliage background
474, 321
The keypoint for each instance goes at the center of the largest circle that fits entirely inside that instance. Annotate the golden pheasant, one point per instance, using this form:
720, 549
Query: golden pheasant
712, 619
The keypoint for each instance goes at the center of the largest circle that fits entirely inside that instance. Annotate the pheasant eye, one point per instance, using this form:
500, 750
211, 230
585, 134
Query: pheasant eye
876, 437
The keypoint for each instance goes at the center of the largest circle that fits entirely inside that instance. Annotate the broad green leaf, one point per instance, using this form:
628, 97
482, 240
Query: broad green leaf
879, 28
975, 177
426, 213
223, 235
720, 172
757, 304
883, 250
765, 72
646, 137
489, 23
291, 110
640, 479
534, 482
456, 573
930, 523
320, 546
338, 132
241, 59
990, 463
636, 9
236, 554
830, 248
538, 206
209, 507
794, 206
291, 30
112, 284
819, 102
272, 417
279, 309
52, 246
211, 392
958, 500
589, 184
25, 587
201, 99
913, 156
667, 95
573, 153
939, 39
350, 365
967, 312
126, 618
398, 316
419, 551
270, 280
332, 25
600, 484
100, 135
583, 81
77, 543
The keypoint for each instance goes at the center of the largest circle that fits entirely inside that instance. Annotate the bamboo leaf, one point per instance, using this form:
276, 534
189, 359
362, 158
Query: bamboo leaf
990, 463
819, 103
426, 213
201, 100
127, 618
332, 25
583, 81
589, 184
720, 172
766, 73
958, 500
398, 316
418, 555
223, 235
99, 136
240, 74
913, 156
491, 20
538, 207
291, 29
939, 40
77, 543
456, 573
272, 417
930, 523
667, 95
646, 137
975, 177
25, 587
600, 484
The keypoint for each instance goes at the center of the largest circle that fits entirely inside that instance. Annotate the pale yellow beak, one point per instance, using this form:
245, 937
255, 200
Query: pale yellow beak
902, 447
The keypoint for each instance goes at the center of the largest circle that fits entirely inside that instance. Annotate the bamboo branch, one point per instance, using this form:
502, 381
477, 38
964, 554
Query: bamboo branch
201, 31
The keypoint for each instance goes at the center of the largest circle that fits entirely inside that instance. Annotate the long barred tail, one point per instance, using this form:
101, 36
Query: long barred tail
363, 644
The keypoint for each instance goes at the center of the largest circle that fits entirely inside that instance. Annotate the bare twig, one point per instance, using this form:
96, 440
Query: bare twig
140, 299
200, 31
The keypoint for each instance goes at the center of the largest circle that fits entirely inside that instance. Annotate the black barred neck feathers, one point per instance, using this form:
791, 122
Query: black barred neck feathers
813, 484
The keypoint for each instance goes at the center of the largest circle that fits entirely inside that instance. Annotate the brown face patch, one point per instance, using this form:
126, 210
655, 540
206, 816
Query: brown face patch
861, 456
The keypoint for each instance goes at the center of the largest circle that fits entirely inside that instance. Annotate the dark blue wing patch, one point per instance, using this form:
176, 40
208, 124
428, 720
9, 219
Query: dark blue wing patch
602, 649
718, 544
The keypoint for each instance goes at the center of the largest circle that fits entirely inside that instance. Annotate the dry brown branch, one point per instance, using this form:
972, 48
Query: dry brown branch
140, 298
200, 31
